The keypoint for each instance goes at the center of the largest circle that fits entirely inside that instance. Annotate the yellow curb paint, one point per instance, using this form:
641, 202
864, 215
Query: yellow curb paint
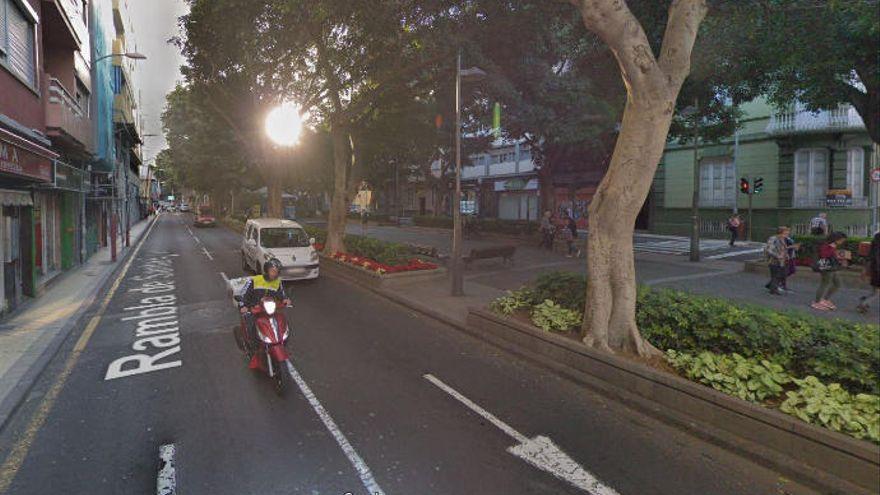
17, 455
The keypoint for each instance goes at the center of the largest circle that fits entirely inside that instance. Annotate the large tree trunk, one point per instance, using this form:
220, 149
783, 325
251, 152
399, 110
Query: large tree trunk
652, 85
274, 207
339, 202
546, 189
610, 315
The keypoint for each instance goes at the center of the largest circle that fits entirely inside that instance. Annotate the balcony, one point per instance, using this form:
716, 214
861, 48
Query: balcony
66, 122
843, 118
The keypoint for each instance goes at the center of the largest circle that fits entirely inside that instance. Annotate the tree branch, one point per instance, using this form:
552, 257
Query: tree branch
682, 27
615, 24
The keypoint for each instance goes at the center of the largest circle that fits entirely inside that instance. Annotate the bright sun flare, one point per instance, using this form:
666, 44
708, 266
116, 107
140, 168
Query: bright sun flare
284, 124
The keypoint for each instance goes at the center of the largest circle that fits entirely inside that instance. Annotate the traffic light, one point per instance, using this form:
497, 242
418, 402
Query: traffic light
759, 185
744, 186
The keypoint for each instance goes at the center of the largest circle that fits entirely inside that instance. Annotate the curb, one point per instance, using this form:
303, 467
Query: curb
9, 405
700, 411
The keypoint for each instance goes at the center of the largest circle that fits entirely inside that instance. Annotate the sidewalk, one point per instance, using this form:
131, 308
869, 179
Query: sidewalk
31, 337
718, 277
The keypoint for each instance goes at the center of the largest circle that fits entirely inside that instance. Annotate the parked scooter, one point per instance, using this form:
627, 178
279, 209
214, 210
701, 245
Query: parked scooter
269, 354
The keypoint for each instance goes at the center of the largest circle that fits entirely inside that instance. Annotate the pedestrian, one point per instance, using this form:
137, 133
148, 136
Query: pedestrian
569, 234
791, 249
831, 259
872, 273
547, 230
777, 260
733, 224
819, 224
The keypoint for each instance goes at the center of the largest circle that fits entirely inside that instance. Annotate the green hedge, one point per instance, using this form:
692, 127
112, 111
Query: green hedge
389, 253
833, 350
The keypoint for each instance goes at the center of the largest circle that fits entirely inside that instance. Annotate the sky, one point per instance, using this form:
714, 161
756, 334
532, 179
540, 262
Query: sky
154, 22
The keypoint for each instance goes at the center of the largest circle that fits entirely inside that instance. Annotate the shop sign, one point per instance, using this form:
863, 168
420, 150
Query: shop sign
70, 178
838, 198
19, 161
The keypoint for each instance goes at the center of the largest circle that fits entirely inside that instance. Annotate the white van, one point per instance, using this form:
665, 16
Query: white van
267, 238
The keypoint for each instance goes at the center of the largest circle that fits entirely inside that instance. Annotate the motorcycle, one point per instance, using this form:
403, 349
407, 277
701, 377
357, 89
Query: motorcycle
270, 353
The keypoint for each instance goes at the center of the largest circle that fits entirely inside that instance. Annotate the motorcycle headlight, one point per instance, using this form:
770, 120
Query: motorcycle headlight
269, 306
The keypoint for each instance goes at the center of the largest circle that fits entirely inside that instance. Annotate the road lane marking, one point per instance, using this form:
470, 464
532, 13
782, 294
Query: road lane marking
225, 278
735, 253
205, 250
539, 451
166, 480
19, 452
193, 235
360, 466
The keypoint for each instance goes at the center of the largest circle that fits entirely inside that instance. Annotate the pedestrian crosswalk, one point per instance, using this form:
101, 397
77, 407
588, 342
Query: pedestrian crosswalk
709, 248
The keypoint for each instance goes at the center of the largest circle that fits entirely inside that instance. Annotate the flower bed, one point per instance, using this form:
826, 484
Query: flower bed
413, 264
822, 371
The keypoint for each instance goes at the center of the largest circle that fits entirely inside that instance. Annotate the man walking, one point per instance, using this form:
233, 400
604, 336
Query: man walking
733, 224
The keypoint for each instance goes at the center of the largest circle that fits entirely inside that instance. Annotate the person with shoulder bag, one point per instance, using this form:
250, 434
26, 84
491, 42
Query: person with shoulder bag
830, 260
777, 260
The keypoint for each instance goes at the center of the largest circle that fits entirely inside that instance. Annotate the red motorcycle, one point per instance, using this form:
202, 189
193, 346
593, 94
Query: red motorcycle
270, 353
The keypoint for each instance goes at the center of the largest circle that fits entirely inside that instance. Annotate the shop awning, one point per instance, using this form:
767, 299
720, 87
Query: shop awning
15, 198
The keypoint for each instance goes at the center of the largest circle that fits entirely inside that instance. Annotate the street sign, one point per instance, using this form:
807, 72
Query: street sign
838, 198
875, 175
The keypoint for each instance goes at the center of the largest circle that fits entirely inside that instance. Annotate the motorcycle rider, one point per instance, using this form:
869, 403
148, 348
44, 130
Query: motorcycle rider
258, 287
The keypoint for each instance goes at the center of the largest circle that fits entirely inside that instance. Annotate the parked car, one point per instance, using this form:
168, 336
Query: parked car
205, 217
286, 240
184, 207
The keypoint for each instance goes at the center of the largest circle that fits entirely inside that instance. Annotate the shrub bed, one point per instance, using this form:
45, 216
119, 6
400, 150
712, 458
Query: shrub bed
826, 372
374, 254
413, 264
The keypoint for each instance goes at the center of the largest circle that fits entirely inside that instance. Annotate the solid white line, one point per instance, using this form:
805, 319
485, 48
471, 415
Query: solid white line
205, 250
501, 425
225, 278
166, 480
734, 253
360, 466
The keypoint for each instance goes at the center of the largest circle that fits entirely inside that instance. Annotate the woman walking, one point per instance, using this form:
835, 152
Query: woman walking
733, 224
872, 270
791, 249
831, 259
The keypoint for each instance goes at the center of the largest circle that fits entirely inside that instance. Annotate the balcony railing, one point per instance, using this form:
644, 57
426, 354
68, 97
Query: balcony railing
501, 169
843, 118
65, 118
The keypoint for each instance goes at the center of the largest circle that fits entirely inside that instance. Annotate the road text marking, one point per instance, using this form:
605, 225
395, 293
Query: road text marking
360, 466
166, 480
540, 451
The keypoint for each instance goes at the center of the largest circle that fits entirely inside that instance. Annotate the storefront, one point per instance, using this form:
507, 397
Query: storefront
24, 166
517, 199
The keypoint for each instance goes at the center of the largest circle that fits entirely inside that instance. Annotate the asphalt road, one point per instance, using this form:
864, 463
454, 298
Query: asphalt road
365, 360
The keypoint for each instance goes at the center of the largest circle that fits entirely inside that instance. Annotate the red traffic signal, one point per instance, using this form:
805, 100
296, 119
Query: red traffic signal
744, 186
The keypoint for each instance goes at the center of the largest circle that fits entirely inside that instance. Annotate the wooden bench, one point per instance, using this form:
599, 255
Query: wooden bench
503, 252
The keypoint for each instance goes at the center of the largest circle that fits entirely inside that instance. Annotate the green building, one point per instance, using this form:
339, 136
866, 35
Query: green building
804, 158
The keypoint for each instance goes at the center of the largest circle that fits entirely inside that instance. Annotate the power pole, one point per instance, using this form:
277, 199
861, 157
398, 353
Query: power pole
695, 199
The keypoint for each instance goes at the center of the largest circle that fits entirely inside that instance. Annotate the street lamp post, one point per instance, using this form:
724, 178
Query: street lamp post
695, 198
472, 75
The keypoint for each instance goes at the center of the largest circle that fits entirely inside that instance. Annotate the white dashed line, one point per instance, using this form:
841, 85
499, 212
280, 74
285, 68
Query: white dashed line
360, 466
166, 480
205, 250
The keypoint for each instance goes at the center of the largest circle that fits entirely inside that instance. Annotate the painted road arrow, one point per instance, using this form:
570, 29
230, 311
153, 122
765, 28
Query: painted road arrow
540, 451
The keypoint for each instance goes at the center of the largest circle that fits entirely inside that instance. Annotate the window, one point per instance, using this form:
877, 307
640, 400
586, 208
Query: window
17, 52
717, 184
82, 97
810, 177
855, 172
525, 154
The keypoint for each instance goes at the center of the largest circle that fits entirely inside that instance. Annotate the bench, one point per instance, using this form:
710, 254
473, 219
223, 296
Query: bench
503, 252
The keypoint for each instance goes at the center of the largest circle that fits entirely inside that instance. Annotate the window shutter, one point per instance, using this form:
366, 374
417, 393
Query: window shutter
819, 174
801, 176
855, 171
20, 34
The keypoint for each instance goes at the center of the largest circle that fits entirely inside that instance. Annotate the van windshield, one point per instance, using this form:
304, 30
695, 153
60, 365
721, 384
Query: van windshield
283, 238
